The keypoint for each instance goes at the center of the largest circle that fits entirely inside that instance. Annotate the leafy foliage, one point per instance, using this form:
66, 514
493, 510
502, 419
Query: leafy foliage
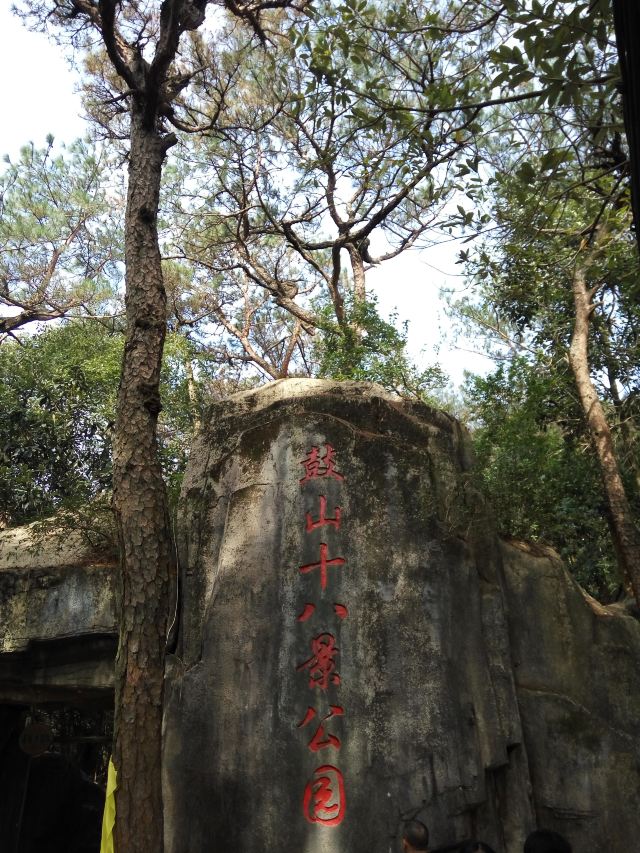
57, 397
57, 409
348, 157
535, 465
560, 203
376, 119
60, 243
368, 348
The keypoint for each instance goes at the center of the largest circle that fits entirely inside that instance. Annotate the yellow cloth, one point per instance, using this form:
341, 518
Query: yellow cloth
109, 816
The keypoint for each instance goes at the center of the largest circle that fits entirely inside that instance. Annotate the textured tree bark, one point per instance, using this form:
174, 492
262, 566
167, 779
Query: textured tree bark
626, 536
357, 268
141, 508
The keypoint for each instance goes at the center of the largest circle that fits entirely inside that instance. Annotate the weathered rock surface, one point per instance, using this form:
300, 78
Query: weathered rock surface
577, 671
57, 618
480, 688
261, 754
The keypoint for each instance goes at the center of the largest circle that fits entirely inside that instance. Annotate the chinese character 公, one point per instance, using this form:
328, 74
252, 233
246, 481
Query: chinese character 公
320, 740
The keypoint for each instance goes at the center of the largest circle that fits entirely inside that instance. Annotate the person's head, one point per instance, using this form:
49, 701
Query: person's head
476, 847
546, 841
415, 836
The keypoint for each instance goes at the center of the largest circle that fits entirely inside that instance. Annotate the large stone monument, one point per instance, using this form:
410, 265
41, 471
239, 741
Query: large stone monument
343, 658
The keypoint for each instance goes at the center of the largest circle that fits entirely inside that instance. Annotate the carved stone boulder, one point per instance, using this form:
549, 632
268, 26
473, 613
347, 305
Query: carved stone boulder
352, 645
343, 656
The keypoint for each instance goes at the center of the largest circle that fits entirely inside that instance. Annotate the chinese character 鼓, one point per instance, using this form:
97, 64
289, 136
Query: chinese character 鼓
320, 740
315, 467
323, 520
321, 664
324, 799
322, 564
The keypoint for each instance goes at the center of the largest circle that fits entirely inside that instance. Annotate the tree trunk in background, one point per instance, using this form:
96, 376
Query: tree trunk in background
626, 537
357, 269
192, 391
627, 436
141, 508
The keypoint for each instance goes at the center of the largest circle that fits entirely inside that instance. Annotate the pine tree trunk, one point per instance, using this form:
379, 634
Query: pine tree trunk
626, 536
141, 508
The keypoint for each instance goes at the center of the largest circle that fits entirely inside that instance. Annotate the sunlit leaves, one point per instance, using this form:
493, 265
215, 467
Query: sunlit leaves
535, 466
561, 49
371, 349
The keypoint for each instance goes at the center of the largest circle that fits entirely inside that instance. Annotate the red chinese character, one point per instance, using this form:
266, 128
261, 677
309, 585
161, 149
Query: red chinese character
330, 462
323, 520
324, 800
315, 467
320, 740
307, 613
322, 565
309, 609
321, 664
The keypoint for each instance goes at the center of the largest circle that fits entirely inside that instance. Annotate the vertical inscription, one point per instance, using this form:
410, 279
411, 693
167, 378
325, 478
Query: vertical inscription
323, 800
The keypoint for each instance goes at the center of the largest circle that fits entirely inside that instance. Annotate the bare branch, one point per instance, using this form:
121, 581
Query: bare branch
115, 46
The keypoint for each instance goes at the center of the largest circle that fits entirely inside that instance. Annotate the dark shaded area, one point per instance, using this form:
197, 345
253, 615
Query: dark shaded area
69, 665
626, 16
52, 803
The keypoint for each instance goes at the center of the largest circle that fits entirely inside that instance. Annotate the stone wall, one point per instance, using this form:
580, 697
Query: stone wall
576, 667
57, 618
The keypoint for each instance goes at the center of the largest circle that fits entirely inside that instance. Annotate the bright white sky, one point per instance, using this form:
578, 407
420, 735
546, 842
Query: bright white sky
38, 94
39, 97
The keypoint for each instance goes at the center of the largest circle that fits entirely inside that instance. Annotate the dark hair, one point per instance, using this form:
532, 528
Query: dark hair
416, 834
546, 841
476, 847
